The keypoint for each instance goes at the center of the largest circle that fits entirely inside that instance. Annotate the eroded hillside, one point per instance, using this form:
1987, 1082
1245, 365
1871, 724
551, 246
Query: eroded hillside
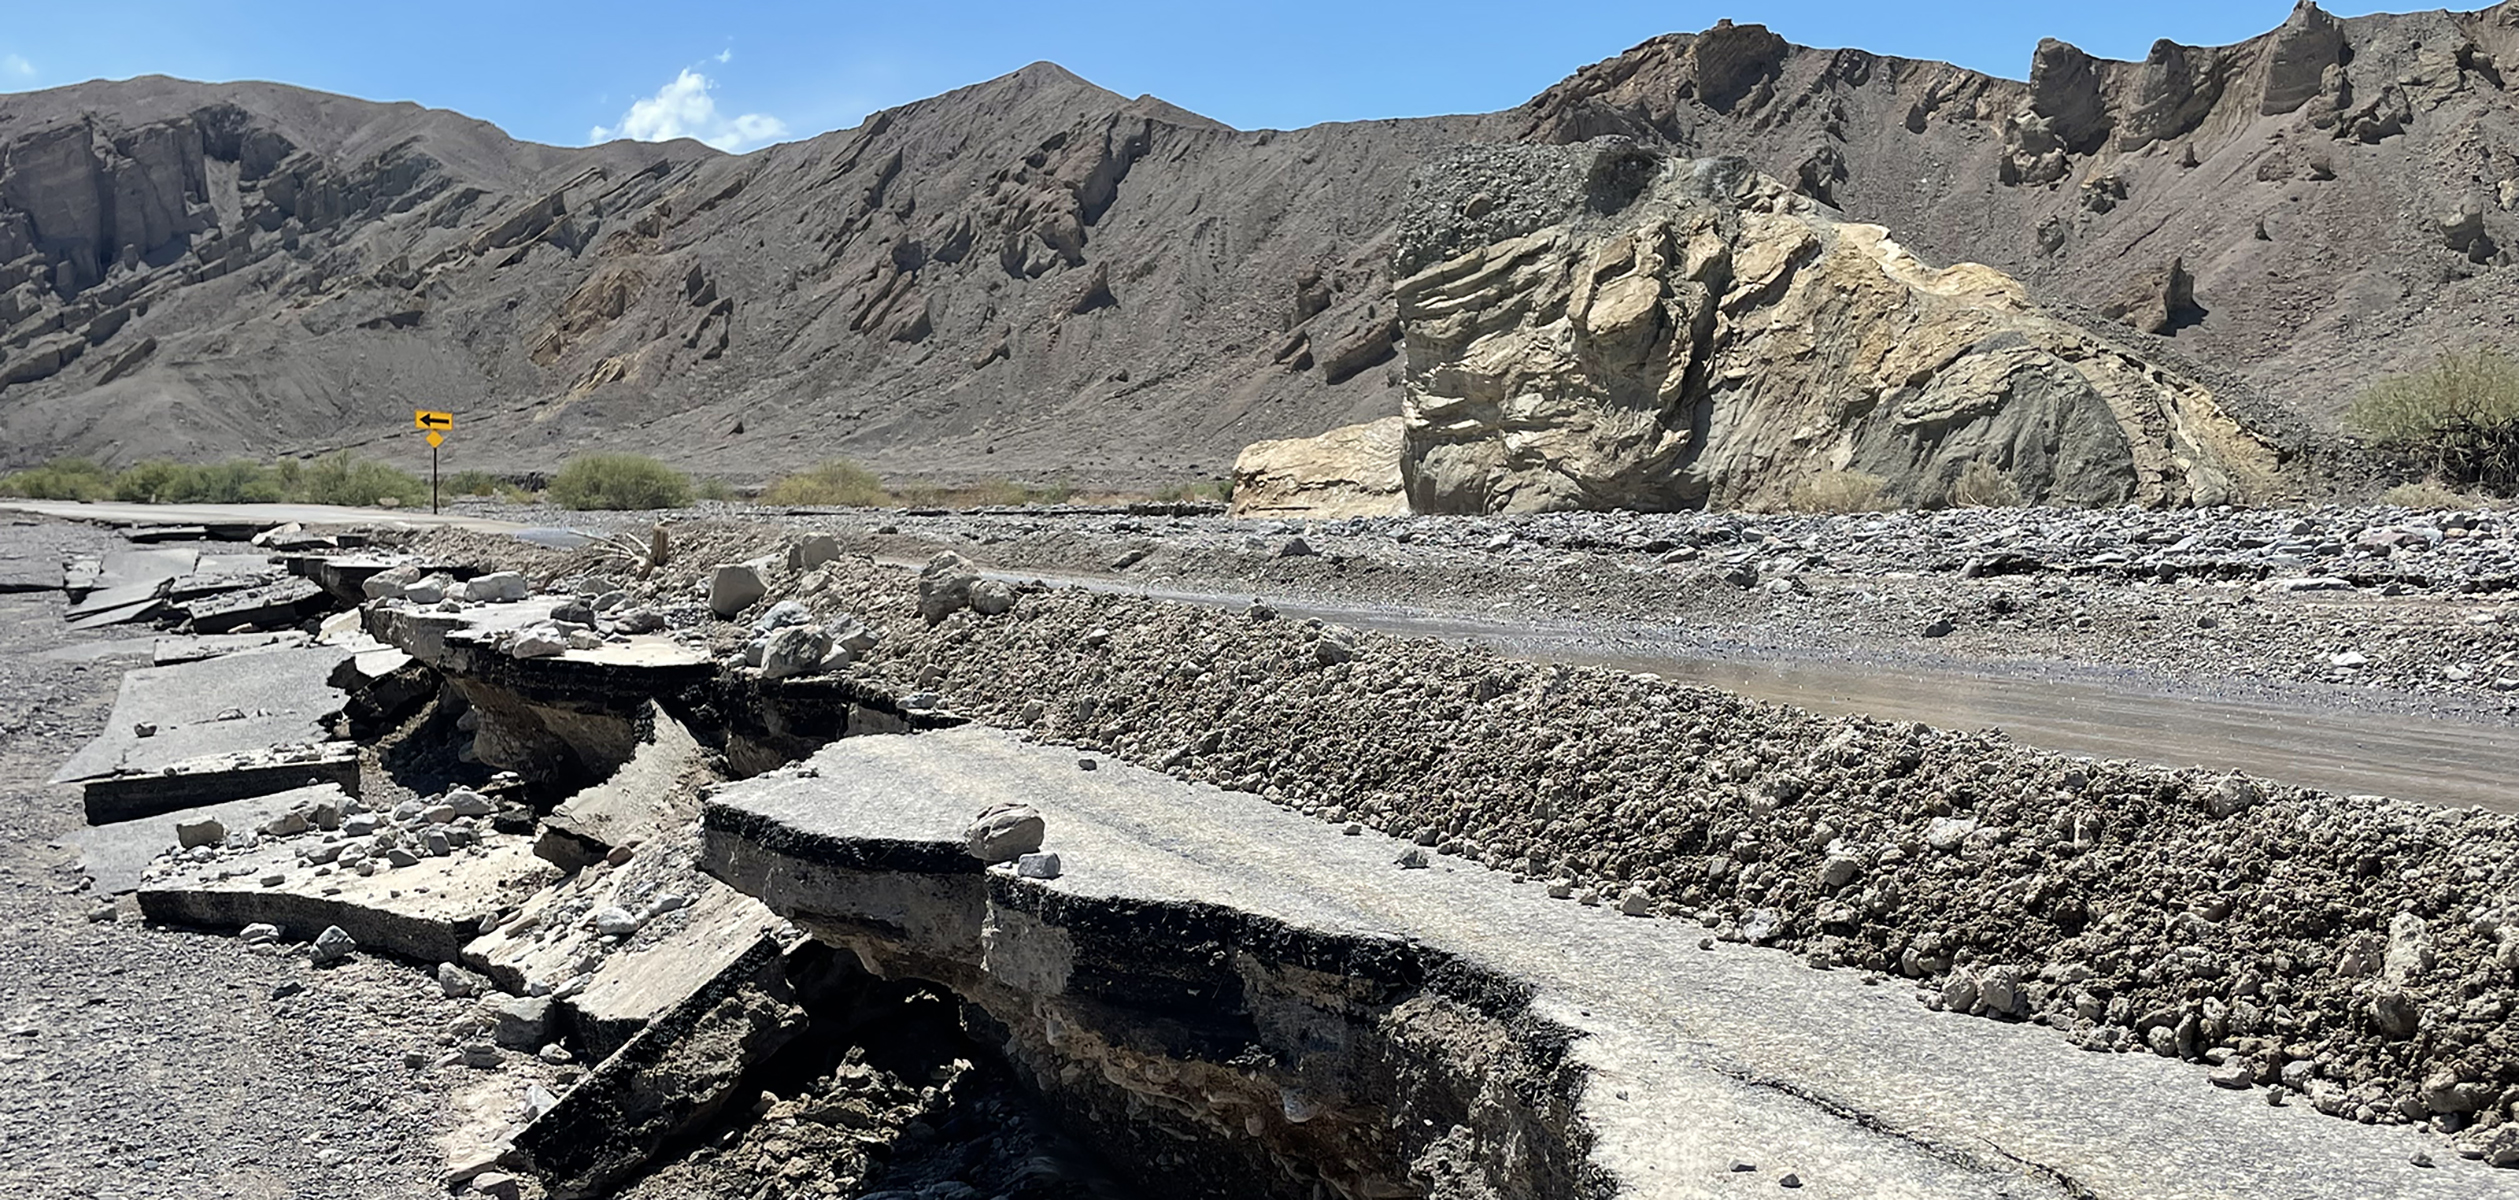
1034, 276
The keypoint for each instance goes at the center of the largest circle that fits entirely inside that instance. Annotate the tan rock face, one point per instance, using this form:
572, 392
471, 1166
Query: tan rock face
1706, 337
1351, 471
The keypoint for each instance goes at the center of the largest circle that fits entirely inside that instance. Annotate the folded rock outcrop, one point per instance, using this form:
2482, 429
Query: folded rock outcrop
1631, 330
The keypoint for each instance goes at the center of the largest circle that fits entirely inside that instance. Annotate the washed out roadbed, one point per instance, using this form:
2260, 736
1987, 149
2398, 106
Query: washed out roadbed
143, 1062
2357, 955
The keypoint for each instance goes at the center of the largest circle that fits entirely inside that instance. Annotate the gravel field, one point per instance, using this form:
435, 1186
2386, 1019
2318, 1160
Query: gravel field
140, 1062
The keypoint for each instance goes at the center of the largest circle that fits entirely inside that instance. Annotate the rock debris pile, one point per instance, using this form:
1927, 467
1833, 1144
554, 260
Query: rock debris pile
2352, 954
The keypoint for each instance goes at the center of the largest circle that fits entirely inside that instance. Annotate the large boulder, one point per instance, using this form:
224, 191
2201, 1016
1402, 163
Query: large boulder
1635, 331
1350, 471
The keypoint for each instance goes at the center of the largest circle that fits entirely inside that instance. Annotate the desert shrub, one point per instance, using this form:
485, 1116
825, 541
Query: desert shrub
2457, 419
1981, 484
619, 481
1220, 490
1839, 492
235, 482
713, 488
838, 483
1007, 493
341, 479
472, 483
149, 482
60, 479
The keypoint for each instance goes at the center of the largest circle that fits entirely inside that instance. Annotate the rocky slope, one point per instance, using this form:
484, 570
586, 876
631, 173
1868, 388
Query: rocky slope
1028, 275
2324, 203
1640, 332
1033, 275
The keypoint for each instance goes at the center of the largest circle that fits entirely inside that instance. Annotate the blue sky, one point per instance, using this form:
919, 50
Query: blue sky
740, 75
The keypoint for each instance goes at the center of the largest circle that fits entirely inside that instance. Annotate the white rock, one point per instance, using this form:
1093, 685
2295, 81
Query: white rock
991, 597
733, 588
615, 921
498, 587
538, 641
1946, 833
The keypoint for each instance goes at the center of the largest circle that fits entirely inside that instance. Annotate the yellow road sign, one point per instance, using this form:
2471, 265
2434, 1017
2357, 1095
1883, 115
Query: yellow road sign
424, 419
436, 438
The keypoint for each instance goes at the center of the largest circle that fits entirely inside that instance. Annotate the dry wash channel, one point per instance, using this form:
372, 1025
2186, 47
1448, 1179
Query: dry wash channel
1331, 913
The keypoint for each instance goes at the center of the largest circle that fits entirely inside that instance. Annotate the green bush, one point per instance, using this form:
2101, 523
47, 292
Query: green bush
60, 479
472, 483
236, 482
838, 483
2458, 419
713, 488
619, 481
341, 479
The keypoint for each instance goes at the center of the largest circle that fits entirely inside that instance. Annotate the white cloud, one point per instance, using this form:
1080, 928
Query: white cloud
726, 55
684, 108
16, 67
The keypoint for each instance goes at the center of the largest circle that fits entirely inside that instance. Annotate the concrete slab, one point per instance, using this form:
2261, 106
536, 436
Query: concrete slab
345, 575
280, 697
647, 795
114, 855
165, 533
618, 992
21, 574
213, 778
683, 1069
122, 567
263, 606
425, 912
1694, 1060
184, 648
146, 592
138, 610
126, 647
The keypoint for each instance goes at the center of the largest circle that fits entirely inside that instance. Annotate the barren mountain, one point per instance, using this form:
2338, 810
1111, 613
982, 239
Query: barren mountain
1033, 275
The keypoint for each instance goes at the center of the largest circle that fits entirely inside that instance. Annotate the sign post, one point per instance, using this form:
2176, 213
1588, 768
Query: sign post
436, 424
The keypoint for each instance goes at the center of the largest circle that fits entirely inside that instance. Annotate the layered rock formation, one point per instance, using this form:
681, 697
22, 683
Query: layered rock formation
1644, 332
2294, 177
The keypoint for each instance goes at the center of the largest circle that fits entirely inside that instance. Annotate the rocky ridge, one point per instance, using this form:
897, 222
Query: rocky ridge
957, 287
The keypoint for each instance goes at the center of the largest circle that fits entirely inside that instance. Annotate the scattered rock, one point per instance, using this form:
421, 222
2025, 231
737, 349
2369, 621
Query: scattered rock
1005, 833
332, 946
734, 588
944, 586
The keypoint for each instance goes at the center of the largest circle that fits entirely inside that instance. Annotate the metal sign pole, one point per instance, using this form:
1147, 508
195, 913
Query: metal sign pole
432, 477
